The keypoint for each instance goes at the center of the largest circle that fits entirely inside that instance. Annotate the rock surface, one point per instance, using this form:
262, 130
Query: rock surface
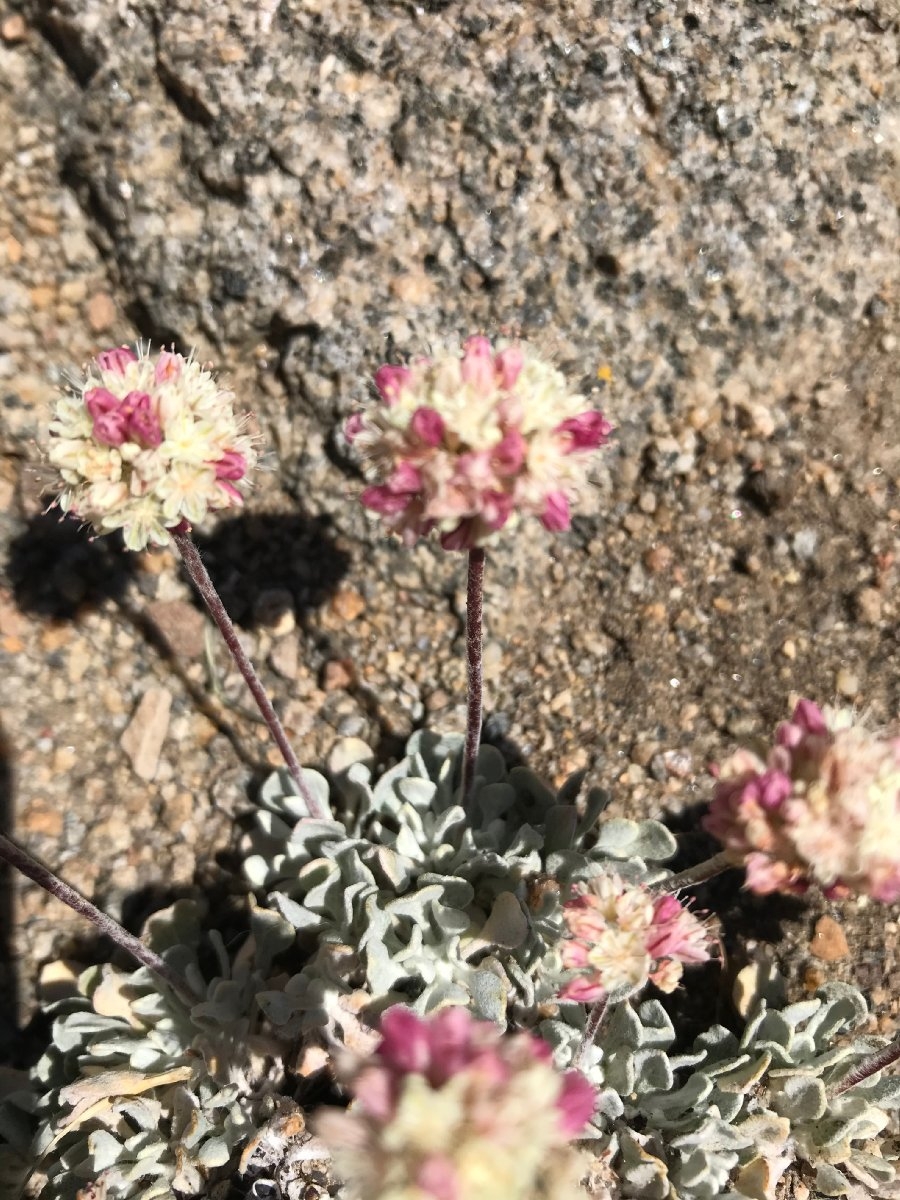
693, 207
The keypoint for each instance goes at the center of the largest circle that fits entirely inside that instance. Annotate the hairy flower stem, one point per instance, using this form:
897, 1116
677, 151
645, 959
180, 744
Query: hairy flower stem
205, 586
595, 1019
32, 869
693, 875
474, 674
886, 1057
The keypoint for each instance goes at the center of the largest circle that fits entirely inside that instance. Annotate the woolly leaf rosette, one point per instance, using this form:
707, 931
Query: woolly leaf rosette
728, 1118
146, 443
408, 900
140, 1096
466, 443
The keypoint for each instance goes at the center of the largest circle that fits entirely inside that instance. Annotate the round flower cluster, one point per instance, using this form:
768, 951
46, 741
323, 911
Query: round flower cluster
450, 1108
622, 936
466, 444
823, 808
145, 445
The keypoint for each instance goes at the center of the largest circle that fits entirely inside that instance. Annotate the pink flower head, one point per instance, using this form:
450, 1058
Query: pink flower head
492, 434
148, 445
621, 937
116, 360
450, 1108
823, 808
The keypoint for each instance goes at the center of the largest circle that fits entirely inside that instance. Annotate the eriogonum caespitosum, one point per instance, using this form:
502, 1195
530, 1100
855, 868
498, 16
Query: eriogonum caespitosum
622, 936
451, 1108
145, 443
823, 808
467, 443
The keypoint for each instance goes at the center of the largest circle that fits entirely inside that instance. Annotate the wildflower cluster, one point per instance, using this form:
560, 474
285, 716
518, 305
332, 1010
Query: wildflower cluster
449, 1108
622, 936
823, 808
144, 445
467, 444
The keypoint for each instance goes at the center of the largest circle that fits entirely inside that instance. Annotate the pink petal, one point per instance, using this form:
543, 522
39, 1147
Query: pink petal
100, 400
452, 1044
353, 426
405, 1042
234, 496
168, 366
508, 366
587, 431
232, 465
437, 1178
477, 366
582, 990
773, 788
143, 423
116, 360
405, 479
556, 517
509, 453
376, 1090
496, 509
383, 500
390, 380
428, 426
809, 717
574, 955
575, 1103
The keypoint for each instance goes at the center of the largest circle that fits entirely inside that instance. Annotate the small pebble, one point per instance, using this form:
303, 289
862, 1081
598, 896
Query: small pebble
829, 942
847, 683
14, 29
143, 738
347, 604
101, 312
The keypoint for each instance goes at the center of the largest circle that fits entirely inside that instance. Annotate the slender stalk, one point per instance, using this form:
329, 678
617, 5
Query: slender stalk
595, 1018
207, 589
693, 875
474, 673
30, 867
886, 1057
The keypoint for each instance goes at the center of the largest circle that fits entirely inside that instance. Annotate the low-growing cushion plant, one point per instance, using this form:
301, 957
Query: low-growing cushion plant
465, 956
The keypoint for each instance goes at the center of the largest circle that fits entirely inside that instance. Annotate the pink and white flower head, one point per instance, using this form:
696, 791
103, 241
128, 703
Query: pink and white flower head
824, 808
146, 443
450, 1108
467, 443
622, 936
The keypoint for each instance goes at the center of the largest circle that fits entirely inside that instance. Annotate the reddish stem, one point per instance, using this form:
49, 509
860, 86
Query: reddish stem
32, 869
597, 1013
708, 869
474, 674
205, 586
886, 1057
